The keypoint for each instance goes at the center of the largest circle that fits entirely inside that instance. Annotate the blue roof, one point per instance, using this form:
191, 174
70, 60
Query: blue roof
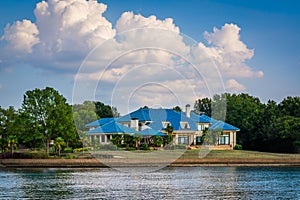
223, 125
100, 122
151, 132
201, 118
112, 127
157, 116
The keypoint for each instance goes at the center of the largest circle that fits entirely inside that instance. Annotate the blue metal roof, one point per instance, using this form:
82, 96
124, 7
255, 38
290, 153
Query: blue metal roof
112, 127
223, 125
151, 132
157, 116
201, 118
100, 122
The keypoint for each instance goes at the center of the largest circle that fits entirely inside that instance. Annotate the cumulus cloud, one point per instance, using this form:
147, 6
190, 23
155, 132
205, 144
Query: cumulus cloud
234, 86
139, 50
21, 35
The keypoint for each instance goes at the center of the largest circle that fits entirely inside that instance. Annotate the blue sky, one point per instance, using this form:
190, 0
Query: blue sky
269, 28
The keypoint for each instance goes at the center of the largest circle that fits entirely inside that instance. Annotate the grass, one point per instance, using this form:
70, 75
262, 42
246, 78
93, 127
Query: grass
238, 154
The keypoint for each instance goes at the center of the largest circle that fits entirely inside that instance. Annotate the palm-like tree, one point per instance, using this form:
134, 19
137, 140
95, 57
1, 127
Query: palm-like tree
137, 139
12, 143
59, 143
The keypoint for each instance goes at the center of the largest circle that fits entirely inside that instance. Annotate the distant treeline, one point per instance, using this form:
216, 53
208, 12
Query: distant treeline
267, 126
45, 119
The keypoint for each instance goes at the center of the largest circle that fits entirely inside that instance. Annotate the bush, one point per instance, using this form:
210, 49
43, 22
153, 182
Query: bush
68, 150
109, 147
238, 147
69, 156
144, 147
80, 149
36, 154
130, 148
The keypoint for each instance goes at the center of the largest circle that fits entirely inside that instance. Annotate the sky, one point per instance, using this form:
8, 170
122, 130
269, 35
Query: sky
155, 53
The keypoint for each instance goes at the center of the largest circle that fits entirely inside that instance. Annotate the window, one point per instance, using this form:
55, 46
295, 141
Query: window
198, 140
224, 139
184, 125
200, 127
165, 124
183, 140
102, 138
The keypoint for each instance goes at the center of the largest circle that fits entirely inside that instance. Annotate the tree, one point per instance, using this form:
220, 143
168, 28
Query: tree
102, 110
211, 137
169, 129
84, 113
47, 112
288, 131
59, 143
290, 106
137, 139
177, 108
203, 106
10, 128
157, 141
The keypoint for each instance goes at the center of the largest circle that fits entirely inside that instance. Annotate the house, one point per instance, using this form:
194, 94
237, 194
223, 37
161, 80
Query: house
188, 127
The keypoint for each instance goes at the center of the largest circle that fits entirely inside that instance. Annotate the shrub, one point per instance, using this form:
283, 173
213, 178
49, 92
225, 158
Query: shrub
68, 150
144, 147
69, 156
80, 149
130, 148
36, 155
238, 147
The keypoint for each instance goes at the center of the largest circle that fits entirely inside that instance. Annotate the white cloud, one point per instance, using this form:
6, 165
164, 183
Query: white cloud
234, 86
137, 51
21, 35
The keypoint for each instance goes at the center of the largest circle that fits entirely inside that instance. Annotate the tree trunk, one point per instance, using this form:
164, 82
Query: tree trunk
47, 147
12, 150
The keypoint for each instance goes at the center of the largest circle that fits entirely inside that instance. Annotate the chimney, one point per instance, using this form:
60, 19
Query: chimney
188, 110
134, 123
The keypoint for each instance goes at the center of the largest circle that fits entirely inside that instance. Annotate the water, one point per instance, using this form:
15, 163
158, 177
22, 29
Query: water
168, 183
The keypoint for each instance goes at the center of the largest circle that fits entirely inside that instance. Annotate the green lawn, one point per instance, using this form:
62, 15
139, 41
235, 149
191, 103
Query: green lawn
238, 154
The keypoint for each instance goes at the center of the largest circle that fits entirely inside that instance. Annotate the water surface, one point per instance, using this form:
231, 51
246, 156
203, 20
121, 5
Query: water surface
168, 183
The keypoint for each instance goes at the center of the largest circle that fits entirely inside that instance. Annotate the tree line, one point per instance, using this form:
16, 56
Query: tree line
45, 119
271, 126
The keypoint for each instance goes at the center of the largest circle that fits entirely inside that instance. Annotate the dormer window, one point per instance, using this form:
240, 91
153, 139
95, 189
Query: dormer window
184, 125
200, 127
165, 124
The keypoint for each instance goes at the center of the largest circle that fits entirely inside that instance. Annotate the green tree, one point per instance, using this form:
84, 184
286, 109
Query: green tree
137, 139
10, 128
203, 106
102, 110
59, 143
157, 141
169, 129
177, 108
288, 131
84, 114
48, 113
211, 137
290, 106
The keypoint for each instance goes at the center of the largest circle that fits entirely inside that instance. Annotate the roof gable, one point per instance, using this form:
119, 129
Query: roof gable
112, 127
100, 122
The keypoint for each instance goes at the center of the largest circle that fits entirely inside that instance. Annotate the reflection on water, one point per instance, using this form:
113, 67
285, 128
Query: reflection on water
168, 183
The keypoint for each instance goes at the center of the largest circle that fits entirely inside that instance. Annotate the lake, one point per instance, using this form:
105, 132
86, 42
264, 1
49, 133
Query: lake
167, 183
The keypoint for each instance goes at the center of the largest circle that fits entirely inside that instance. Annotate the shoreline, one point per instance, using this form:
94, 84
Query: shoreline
94, 163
